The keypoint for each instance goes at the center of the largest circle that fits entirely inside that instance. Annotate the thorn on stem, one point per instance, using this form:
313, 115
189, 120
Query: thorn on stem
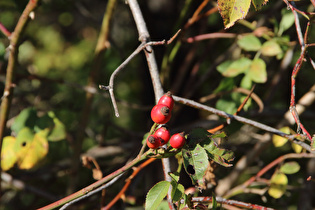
103, 87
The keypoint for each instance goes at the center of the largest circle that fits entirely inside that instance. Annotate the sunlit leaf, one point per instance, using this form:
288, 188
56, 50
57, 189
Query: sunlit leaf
297, 148
257, 71
271, 48
30, 148
236, 67
196, 163
156, 194
249, 43
286, 22
233, 10
58, 131
279, 141
278, 185
8, 156
290, 167
246, 82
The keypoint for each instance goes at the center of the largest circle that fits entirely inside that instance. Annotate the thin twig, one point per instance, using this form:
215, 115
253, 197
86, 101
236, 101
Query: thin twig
217, 35
96, 184
240, 188
4, 30
244, 120
226, 201
141, 47
91, 193
128, 182
15, 41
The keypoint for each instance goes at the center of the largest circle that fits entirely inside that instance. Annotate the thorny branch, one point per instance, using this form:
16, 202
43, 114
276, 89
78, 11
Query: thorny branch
298, 65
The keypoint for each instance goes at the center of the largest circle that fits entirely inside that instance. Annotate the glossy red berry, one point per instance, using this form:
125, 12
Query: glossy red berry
160, 114
153, 141
164, 134
167, 100
178, 140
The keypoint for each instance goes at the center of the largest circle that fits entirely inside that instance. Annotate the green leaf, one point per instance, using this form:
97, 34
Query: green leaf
278, 185
196, 163
233, 10
271, 48
174, 176
8, 156
257, 71
235, 68
178, 191
26, 118
224, 66
156, 194
226, 83
220, 156
163, 206
249, 43
226, 105
246, 82
279, 141
58, 131
290, 167
259, 3
286, 22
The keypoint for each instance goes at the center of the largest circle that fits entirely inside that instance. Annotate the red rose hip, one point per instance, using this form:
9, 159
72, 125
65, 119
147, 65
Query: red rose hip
167, 100
153, 142
164, 135
178, 140
160, 114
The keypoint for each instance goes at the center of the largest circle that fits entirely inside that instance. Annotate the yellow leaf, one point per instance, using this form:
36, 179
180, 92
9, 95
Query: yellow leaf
8, 156
297, 148
279, 141
34, 151
278, 185
233, 10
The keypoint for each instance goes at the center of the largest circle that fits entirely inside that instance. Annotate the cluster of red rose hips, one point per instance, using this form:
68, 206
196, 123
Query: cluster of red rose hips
161, 114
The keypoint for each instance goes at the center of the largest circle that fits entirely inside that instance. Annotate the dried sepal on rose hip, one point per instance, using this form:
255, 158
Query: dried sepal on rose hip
164, 134
160, 114
153, 141
167, 100
178, 140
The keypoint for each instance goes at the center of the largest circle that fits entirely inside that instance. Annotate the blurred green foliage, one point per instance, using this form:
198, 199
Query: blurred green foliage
55, 61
